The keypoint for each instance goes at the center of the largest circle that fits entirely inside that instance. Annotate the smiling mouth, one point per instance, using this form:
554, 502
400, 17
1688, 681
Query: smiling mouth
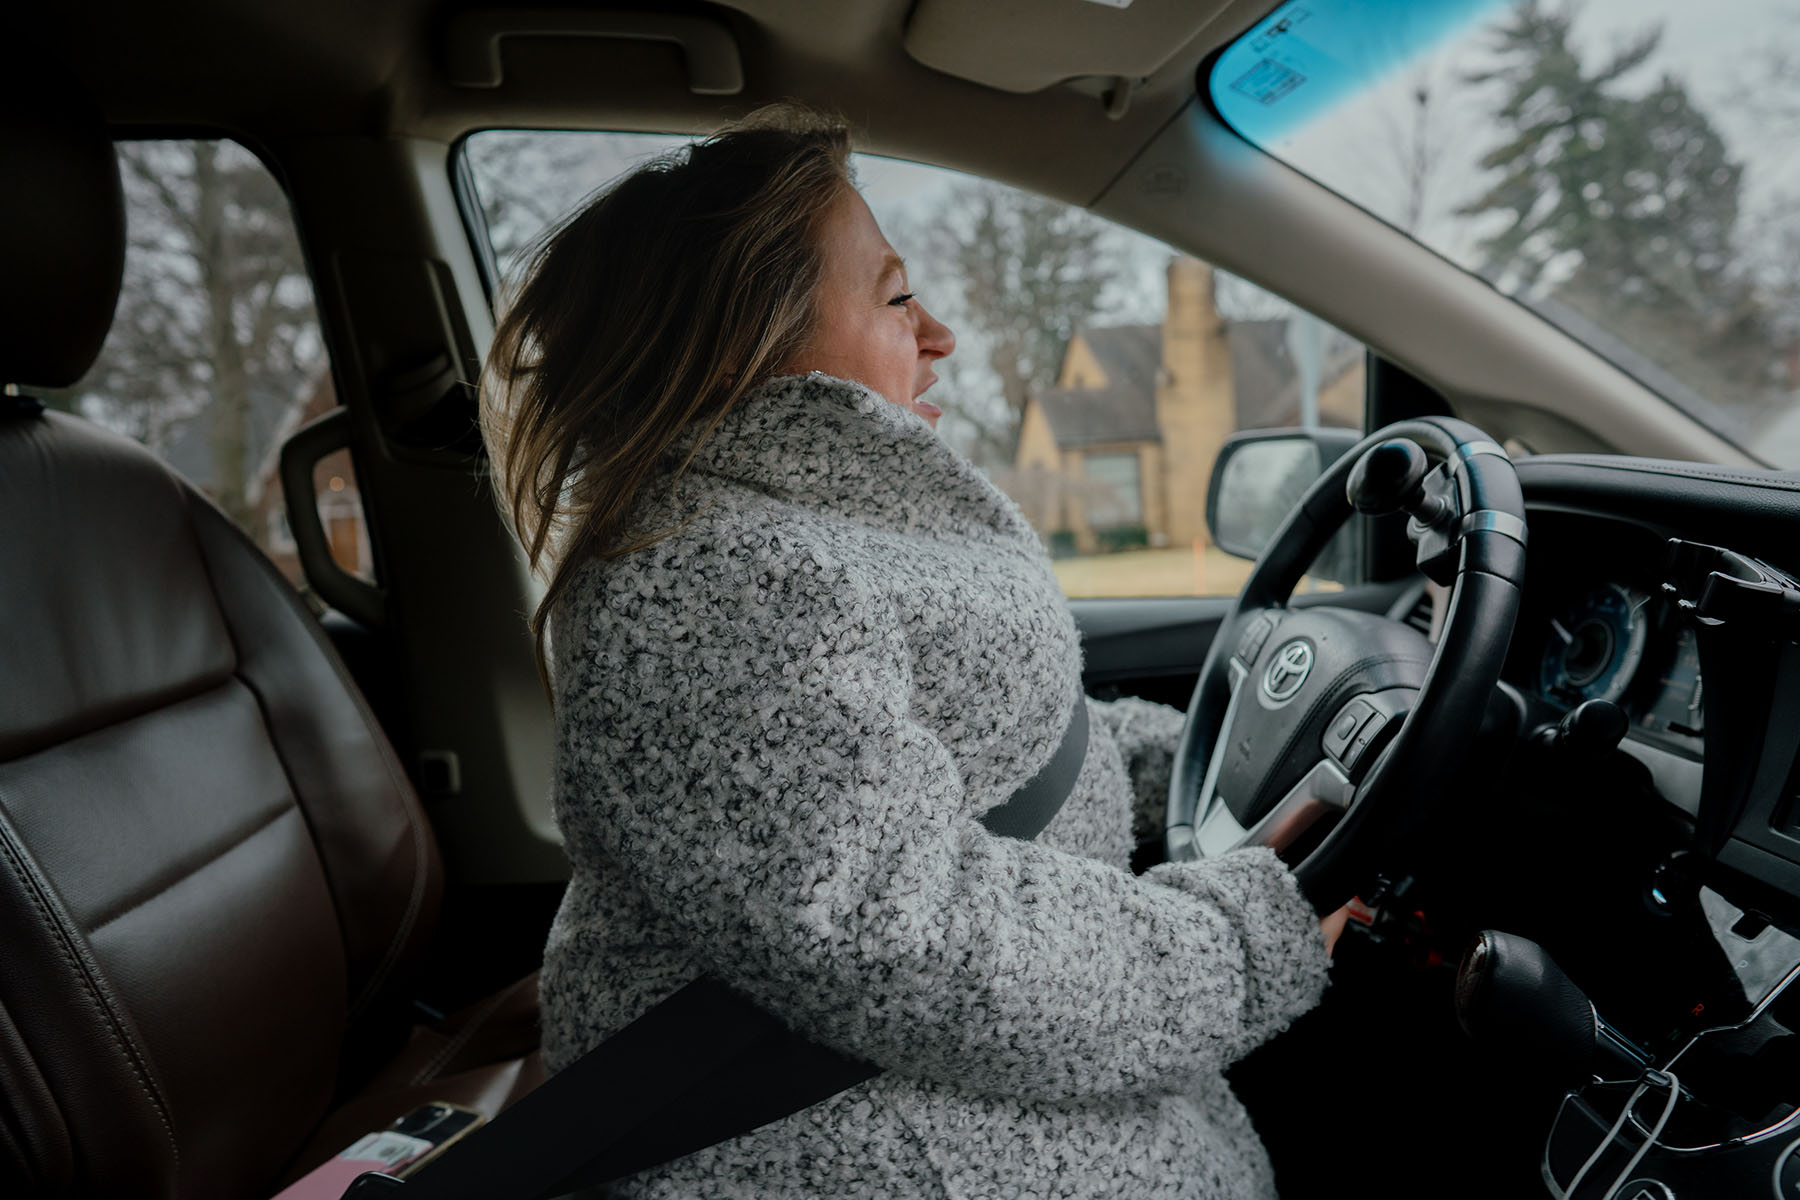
922, 406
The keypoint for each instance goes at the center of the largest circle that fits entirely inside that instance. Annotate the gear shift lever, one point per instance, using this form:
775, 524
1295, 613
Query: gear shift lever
1513, 996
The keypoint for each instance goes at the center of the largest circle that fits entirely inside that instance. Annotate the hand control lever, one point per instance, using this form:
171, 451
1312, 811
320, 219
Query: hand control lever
1390, 477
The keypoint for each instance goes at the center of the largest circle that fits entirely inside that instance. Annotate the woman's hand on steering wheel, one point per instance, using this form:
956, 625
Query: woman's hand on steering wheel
1325, 732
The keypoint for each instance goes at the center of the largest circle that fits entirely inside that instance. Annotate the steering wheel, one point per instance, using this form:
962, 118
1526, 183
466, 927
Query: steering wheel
1326, 732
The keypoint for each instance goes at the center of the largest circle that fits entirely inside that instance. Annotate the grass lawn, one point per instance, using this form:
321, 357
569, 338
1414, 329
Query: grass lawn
1170, 572
1176, 571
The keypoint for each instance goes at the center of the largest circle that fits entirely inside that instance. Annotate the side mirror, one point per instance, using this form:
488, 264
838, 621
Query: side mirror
1257, 479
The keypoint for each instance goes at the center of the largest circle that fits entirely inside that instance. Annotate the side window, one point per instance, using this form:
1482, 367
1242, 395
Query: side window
527, 180
1097, 371
214, 356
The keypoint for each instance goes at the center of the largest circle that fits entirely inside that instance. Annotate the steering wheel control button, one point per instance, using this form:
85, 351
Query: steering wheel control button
1287, 671
1345, 726
1365, 737
1255, 635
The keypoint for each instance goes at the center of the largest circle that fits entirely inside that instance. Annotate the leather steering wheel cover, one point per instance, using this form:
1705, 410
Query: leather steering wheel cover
1434, 740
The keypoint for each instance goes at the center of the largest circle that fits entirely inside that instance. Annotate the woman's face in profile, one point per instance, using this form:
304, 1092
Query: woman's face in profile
871, 329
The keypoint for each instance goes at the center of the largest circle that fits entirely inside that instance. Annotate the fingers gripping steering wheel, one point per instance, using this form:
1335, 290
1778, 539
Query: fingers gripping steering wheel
1326, 732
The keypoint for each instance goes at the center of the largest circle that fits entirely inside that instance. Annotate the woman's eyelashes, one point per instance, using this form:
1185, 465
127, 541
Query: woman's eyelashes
900, 300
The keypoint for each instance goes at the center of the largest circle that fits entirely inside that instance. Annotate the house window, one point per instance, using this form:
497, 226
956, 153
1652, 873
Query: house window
1116, 497
214, 356
1097, 370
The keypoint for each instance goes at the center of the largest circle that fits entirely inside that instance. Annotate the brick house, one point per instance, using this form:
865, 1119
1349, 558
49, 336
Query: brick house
1119, 452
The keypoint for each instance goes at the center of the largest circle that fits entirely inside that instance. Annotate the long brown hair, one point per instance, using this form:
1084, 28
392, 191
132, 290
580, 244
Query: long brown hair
648, 313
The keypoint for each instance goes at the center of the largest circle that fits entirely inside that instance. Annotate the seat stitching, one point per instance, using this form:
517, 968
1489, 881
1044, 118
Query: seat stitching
198, 867
414, 903
96, 992
51, 1149
151, 704
492, 1005
396, 779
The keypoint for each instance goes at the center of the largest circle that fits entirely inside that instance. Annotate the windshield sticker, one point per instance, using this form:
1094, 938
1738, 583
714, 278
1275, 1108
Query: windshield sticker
1268, 81
1291, 16
1281, 75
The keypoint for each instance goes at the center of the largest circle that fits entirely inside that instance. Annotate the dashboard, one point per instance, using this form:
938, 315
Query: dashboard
1663, 589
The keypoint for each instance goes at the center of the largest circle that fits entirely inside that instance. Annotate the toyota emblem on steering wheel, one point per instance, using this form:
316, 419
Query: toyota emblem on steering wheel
1289, 669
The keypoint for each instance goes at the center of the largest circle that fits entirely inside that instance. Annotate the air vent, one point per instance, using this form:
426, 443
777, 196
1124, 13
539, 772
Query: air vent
1420, 616
1426, 614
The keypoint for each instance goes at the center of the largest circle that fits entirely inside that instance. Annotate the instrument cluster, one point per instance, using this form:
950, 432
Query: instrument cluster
1618, 642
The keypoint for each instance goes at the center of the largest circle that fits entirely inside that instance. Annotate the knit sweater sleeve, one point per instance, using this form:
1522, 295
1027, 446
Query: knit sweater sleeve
1146, 734
750, 762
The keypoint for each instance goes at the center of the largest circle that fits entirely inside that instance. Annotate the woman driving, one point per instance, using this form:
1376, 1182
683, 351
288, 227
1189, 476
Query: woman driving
798, 648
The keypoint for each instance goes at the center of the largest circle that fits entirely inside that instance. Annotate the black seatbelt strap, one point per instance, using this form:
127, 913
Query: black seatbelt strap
1027, 811
703, 1066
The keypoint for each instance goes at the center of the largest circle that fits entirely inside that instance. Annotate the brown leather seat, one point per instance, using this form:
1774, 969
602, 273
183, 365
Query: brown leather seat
214, 875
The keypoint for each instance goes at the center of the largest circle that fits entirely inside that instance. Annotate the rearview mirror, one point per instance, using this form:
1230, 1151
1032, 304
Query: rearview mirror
1258, 478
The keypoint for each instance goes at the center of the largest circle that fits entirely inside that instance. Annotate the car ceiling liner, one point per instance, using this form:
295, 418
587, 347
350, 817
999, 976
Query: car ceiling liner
472, 42
1011, 45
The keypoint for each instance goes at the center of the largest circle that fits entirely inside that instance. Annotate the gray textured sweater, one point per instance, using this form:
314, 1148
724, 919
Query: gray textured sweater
777, 730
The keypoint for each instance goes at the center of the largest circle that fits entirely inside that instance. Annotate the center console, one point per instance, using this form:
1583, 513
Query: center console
1690, 1110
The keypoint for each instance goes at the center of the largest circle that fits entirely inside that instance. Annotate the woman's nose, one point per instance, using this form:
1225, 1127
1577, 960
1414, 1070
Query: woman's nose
935, 338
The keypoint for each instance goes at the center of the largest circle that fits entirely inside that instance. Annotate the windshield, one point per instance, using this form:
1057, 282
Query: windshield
1624, 168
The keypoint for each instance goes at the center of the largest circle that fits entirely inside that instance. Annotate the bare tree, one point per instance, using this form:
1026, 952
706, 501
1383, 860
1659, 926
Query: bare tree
1419, 151
1015, 274
527, 181
1426, 126
1770, 229
1768, 91
215, 313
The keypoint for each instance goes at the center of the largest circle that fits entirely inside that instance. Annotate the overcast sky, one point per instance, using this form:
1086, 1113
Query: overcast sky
1721, 50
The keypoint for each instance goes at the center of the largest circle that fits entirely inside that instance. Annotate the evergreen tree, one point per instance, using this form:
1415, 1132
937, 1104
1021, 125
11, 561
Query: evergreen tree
1633, 196
1621, 201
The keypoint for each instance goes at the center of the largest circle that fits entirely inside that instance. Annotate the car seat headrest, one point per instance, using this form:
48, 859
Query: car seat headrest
62, 229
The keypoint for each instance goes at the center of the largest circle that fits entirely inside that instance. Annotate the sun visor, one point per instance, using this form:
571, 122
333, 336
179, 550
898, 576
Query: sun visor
1027, 45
